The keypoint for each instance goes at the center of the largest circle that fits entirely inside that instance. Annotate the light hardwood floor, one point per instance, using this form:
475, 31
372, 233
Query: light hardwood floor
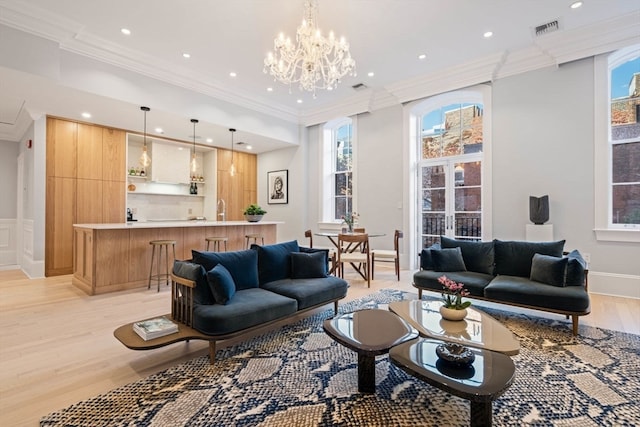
57, 345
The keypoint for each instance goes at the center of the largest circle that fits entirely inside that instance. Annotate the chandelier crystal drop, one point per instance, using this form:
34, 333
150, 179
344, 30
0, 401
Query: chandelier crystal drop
314, 62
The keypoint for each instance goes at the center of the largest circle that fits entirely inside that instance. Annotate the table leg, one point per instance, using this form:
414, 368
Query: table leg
481, 414
366, 373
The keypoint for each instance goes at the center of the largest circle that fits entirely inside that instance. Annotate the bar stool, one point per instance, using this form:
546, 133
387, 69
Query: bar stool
160, 276
255, 237
217, 243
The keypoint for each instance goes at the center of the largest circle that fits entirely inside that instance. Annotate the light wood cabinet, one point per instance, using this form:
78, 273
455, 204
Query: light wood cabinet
60, 217
89, 155
91, 159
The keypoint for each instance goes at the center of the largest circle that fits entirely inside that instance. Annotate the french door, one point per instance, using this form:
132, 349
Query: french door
451, 198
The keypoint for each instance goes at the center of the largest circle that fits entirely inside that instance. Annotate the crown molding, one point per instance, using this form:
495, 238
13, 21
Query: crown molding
15, 131
595, 39
356, 104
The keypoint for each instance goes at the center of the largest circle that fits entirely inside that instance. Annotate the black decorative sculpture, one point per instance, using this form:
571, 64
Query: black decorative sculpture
539, 209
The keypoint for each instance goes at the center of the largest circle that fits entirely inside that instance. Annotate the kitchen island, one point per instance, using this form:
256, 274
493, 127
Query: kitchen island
117, 256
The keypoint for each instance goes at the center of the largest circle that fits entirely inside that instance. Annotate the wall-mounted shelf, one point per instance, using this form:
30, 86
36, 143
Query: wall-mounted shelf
149, 193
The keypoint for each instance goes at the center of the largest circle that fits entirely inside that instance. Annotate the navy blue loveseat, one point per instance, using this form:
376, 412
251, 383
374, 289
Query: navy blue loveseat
225, 294
537, 275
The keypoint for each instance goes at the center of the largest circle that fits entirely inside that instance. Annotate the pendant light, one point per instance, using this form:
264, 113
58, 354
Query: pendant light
145, 159
194, 164
232, 169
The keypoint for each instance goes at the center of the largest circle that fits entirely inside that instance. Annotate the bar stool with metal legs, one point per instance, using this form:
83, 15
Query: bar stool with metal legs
217, 241
161, 276
255, 237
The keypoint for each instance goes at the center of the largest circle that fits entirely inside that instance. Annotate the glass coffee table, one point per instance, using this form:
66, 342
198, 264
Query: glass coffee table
487, 378
477, 330
369, 333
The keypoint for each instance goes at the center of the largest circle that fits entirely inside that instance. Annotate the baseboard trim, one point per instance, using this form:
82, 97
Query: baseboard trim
613, 284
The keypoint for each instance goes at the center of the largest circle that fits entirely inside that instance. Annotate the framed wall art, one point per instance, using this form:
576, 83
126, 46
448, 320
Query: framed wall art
278, 187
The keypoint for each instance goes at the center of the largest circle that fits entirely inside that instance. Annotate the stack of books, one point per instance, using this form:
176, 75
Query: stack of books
155, 328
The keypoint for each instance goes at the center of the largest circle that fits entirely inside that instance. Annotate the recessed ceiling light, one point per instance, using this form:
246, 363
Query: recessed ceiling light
488, 34
249, 147
159, 130
86, 115
209, 140
233, 74
269, 89
576, 4
422, 56
186, 55
371, 74
125, 31
299, 101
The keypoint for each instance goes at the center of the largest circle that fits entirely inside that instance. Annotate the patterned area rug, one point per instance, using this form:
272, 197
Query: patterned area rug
298, 376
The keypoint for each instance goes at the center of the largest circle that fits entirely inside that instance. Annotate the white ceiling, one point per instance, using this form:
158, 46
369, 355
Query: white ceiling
386, 37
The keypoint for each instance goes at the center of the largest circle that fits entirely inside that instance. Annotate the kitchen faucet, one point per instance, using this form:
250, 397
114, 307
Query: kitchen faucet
222, 212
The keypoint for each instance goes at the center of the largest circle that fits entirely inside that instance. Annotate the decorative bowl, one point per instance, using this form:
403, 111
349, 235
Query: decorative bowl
253, 218
455, 354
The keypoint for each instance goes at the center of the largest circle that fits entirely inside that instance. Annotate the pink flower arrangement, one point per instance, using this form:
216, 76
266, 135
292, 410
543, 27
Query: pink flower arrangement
452, 294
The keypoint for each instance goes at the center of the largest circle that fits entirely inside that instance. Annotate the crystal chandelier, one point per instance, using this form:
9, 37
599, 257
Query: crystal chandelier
315, 62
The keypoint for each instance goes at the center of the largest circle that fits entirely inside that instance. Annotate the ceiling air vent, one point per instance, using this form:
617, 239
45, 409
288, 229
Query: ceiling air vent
359, 86
549, 27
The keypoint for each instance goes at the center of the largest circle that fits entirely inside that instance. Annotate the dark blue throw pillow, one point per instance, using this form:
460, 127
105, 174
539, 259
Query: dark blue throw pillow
448, 260
197, 273
221, 283
426, 260
274, 262
513, 258
243, 265
477, 256
575, 269
308, 265
547, 269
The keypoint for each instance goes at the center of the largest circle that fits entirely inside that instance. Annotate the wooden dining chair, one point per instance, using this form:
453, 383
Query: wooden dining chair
385, 255
309, 235
349, 252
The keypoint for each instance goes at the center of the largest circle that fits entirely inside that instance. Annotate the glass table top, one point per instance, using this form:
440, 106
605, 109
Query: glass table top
477, 330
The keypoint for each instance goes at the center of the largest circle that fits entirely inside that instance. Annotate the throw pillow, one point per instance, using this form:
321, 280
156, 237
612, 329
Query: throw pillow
274, 262
188, 270
478, 256
513, 258
426, 260
575, 269
221, 283
548, 269
308, 265
243, 265
448, 260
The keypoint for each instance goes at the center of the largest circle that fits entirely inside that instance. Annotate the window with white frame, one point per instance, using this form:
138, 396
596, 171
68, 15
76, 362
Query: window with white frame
338, 188
617, 145
624, 140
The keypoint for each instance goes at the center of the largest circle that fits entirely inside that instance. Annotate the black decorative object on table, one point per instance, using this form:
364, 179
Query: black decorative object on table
539, 209
455, 354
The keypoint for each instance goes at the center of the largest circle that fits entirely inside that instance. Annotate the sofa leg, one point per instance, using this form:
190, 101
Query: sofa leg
212, 352
574, 321
335, 308
419, 293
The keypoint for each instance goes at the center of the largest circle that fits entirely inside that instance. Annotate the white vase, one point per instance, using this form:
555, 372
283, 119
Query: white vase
452, 313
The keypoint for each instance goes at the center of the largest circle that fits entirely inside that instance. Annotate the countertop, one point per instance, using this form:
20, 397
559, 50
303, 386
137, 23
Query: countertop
172, 224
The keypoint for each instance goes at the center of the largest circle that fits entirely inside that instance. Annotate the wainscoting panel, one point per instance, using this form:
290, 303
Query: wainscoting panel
8, 242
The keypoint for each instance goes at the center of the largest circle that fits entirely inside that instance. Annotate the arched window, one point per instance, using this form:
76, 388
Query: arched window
451, 136
338, 187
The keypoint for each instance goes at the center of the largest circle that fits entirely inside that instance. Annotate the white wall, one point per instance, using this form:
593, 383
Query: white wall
8, 169
542, 144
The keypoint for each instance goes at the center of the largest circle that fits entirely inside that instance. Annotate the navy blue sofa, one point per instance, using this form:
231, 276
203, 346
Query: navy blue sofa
226, 294
537, 275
